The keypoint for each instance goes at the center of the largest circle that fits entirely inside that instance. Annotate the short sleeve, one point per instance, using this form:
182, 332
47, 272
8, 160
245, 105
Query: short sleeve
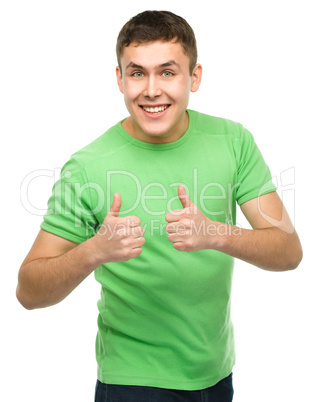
253, 175
69, 213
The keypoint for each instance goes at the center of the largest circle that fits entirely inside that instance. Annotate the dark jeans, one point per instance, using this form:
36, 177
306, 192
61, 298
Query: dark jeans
221, 392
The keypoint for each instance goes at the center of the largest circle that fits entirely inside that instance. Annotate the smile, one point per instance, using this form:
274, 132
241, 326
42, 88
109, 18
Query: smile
154, 111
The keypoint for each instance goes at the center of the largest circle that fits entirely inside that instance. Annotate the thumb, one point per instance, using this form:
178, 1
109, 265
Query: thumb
116, 205
183, 196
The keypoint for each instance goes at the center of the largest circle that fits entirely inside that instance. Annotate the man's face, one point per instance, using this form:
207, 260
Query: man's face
156, 84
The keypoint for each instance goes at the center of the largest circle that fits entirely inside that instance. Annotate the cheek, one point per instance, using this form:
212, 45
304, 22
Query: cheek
131, 92
179, 91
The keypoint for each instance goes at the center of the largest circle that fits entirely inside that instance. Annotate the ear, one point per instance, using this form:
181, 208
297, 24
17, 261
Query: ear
119, 80
196, 78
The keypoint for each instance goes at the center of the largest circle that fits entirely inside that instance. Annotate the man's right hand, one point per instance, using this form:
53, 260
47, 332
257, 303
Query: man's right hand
118, 239
55, 266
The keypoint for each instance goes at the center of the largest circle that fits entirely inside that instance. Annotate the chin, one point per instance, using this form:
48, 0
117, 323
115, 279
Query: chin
158, 132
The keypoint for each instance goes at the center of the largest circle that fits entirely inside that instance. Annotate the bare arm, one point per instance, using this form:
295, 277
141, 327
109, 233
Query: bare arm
55, 266
273, 244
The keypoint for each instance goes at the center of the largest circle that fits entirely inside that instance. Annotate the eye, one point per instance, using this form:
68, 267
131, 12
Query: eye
137, 74
167, 74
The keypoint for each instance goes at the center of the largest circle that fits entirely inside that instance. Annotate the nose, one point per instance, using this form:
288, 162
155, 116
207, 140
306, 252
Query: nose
152, 88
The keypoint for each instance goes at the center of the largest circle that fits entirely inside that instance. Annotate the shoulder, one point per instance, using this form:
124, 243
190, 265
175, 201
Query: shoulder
229, 135
102, 144
213, 125
109, 143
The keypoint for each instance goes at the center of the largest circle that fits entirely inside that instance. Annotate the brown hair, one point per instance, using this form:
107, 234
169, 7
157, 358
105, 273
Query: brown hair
150, 26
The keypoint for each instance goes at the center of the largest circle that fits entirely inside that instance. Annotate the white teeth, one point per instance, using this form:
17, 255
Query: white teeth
155, 109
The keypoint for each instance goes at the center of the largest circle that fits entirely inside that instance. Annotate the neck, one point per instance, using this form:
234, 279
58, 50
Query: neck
180, 128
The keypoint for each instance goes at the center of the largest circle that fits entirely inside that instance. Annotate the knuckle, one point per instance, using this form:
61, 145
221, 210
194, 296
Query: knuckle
187, 222
126, 254
188, 244
138, 251
133, 221
179, 246
135, 252
139, 231
171, 227
121, 232
124, 242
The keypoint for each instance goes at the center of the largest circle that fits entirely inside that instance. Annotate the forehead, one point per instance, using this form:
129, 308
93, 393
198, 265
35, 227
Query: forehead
154, 53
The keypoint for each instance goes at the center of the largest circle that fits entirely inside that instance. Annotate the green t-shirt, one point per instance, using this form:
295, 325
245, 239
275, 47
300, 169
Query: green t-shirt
164, 317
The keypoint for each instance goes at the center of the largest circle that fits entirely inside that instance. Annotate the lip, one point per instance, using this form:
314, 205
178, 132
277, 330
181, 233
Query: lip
155, 115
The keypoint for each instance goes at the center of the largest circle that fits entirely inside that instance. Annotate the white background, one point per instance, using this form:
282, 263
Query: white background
58, 93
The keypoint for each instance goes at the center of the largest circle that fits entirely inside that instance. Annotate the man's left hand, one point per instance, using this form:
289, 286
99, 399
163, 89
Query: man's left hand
188, 228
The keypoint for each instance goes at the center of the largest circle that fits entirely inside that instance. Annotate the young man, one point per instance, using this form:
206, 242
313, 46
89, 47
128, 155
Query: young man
150, 207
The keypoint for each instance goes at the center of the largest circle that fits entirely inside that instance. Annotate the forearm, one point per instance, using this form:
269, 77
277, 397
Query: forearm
271, 249
47, 281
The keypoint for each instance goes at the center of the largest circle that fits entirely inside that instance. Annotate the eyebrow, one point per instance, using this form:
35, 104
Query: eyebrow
169, 63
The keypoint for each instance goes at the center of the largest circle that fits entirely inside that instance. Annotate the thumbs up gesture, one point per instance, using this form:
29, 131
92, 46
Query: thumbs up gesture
187, 227
118, 239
